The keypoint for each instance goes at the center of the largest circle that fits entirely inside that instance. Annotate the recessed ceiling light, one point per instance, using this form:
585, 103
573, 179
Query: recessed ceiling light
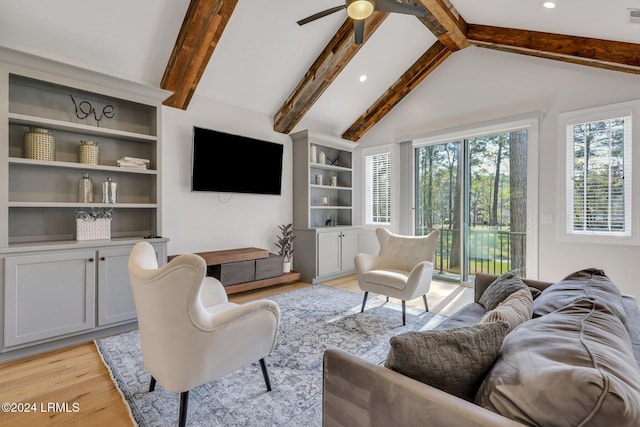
549, 4
363, 78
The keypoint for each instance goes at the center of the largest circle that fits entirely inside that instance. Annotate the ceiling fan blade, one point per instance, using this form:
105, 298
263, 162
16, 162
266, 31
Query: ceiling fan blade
395, 7
320, 14
358, 27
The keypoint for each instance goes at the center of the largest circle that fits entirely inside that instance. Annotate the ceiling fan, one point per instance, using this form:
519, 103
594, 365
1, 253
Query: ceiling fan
359, 10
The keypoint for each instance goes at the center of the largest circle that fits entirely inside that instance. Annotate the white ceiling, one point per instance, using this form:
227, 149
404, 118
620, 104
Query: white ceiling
263, 53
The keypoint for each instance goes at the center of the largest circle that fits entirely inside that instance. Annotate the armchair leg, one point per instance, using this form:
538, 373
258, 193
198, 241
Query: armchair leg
404, 312
387, 299
426, 306
265, 373
364, 301
184, 402
152, 384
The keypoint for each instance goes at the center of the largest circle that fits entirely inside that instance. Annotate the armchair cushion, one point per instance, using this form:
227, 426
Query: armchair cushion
453, 360
392, 278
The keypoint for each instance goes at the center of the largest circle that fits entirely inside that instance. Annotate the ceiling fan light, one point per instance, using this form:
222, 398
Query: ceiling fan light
359, 9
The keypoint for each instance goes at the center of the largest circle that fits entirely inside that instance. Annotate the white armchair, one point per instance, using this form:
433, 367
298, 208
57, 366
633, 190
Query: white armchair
190, 334
403, 268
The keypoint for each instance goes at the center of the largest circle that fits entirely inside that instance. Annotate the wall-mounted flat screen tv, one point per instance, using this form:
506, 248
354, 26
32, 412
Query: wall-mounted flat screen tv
223, 162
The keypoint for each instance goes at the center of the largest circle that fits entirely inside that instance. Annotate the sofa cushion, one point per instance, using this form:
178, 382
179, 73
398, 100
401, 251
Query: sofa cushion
587, 283
574, 366
454, 360
468, 315
516, 309
500, 289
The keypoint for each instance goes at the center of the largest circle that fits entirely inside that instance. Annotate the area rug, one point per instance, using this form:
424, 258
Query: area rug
312, 319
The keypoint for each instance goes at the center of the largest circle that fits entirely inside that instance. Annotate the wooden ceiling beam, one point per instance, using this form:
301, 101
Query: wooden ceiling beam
607, 54
428, 62
331, 61
201, 30
444, 21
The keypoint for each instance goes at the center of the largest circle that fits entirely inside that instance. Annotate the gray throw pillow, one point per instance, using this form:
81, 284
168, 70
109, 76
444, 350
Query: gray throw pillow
453, 360
500, 289
517, 308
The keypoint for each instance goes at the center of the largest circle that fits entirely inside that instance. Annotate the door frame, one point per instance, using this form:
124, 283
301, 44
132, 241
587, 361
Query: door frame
529, 121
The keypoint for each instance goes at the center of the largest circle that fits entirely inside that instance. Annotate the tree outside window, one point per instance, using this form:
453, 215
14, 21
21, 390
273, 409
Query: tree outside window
598, 160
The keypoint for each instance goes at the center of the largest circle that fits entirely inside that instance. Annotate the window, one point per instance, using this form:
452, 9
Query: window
378, 188
598, 160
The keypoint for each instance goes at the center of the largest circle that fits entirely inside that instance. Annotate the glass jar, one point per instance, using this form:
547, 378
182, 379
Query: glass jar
85, 189
109, 191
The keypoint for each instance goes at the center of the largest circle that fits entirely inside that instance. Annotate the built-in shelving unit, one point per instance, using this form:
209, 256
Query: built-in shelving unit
55, 290
323, 219
43, 194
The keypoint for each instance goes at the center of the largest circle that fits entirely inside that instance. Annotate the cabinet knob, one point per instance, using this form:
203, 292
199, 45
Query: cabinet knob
102, 258
90, 259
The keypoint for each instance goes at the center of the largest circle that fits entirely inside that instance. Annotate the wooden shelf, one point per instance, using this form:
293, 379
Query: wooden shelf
241, 287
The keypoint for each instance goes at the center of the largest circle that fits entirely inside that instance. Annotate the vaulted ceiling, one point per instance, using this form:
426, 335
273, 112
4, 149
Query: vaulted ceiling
252, 54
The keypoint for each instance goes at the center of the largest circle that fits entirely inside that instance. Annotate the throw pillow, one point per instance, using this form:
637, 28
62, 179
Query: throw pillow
516, 309
453, 360
500, 289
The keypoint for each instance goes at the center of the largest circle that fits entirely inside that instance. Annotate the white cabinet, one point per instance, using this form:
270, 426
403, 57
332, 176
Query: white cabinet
51, 294
336, 251
115, 296
325, 253
40, 302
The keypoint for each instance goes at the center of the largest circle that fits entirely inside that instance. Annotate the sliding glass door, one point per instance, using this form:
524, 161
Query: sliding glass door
474, 190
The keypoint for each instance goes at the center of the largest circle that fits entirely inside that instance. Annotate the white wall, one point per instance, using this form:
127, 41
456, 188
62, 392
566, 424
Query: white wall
202, 221
476, 85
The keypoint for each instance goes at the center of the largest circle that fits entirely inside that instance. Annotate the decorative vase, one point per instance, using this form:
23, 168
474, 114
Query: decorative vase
39, 144
85, 189
313, 156
109, 191
286, 267
88, 152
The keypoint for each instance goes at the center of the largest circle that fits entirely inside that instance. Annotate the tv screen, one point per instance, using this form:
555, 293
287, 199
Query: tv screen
223, 162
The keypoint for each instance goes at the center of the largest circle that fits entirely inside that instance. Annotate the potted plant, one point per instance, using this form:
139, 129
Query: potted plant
284, 243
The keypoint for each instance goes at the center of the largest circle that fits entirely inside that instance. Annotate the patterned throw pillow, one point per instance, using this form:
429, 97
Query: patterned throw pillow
453, 360
516, 309
500, 289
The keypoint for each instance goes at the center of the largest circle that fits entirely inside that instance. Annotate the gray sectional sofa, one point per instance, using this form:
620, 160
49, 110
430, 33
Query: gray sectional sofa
575, 363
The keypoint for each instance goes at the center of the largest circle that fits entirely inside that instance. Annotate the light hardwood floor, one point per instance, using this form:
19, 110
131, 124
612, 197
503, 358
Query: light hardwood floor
76, 375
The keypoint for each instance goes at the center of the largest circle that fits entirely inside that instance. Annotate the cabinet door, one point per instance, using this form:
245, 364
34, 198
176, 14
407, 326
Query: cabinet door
328, 252
48, 295
350, 245
115, 297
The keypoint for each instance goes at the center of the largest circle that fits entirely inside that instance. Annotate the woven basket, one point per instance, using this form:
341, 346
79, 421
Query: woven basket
93, 229
88, 152
39, 144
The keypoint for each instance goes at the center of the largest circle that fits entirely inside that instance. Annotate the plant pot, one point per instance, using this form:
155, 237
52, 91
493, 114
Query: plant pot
286, 267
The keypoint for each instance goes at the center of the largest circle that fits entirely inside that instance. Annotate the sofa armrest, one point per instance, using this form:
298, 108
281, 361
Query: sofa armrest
359, 393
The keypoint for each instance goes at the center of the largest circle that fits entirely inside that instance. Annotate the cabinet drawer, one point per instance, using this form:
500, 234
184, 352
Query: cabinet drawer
233, 272
269, 267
